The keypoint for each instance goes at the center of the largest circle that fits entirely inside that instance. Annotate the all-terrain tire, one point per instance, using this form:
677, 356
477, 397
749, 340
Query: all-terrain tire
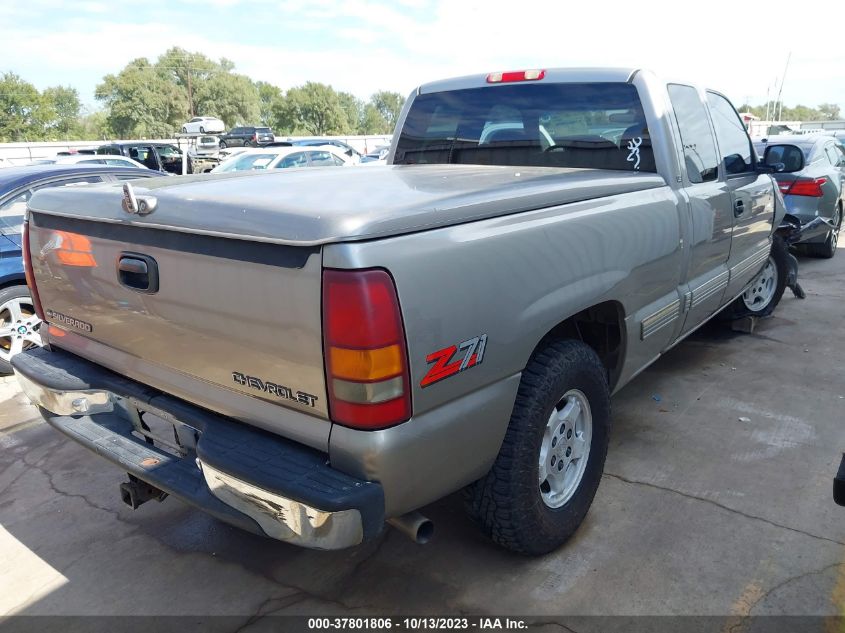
507, 503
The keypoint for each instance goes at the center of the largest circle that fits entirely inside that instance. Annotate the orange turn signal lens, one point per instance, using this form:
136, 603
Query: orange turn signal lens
366, 364
74, 250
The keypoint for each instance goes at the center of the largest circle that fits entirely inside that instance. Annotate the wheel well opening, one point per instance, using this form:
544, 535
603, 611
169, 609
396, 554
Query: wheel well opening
602, 328
12, 282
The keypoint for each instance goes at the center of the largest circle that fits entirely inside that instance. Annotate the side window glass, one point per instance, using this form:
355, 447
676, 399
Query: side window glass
832, 155
72, 182
13, 211
696, 137
321, 159
733, 140
294, 160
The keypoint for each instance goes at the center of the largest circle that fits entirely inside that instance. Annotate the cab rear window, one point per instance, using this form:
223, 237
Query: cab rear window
587, 125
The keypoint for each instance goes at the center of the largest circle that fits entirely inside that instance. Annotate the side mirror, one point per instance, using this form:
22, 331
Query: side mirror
735, 164
784, 158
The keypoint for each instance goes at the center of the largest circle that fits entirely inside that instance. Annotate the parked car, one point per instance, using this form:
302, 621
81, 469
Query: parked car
813, 185
19, 325
88, 159
247, 137
203, 125
347, 149
284, 157
459, 322
204, 146
155, 156
378, 155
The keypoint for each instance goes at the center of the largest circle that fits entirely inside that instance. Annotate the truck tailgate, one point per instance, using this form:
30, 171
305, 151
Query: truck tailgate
233, 325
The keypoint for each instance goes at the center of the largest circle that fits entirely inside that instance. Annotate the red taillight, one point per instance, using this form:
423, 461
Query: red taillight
27, 268
515, 75
366, 356
804, 187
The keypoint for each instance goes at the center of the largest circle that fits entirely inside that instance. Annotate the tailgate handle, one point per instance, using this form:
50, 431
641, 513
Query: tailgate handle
138, 272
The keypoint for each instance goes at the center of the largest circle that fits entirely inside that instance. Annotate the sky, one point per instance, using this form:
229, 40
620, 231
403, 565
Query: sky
363, 46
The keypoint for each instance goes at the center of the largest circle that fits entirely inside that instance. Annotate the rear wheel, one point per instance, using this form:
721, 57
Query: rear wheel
549, 466
19, 325
247, 144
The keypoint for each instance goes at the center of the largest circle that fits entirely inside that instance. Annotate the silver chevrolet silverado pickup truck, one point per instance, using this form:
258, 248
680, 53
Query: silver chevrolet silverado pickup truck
310, 354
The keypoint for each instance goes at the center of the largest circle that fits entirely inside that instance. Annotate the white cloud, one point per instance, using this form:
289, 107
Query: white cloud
369, 45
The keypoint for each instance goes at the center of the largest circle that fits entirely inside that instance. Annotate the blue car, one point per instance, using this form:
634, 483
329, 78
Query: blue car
18, 322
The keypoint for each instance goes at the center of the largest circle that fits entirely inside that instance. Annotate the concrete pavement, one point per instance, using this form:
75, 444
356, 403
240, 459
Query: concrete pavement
716, 501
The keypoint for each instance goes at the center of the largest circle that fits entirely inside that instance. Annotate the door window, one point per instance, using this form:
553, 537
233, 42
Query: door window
696, 137
12, 213
734, 144
294, 160
323, 159
832, 154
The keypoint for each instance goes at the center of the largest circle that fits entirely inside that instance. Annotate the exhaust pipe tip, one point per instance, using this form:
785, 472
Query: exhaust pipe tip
415, 526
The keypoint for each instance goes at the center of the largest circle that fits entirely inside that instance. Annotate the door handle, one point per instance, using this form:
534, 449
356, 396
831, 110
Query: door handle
138, 272
132, 265
739, 207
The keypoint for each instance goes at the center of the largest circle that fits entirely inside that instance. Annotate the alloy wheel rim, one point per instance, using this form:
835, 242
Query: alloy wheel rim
565, 448
762, 289
19, 327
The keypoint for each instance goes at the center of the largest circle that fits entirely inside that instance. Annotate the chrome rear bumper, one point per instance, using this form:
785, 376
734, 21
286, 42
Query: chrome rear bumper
242, 475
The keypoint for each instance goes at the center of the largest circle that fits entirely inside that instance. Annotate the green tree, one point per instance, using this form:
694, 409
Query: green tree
24, 113
269, 96
389, 105
829, 111
95, 126
354, 109
313, 109
142, 102
372, 122
228, 96
188, 71
66, 107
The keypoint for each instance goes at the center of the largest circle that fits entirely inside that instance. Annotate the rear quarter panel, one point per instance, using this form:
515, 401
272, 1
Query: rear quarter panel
513, 279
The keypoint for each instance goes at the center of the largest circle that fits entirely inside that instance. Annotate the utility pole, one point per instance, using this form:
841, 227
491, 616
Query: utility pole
190, 94
780, 92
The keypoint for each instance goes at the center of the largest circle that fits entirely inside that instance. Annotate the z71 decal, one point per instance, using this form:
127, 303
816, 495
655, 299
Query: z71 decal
469, 354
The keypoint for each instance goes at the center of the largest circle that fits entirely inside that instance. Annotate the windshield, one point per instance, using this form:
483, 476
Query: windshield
247, 162
591, 125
